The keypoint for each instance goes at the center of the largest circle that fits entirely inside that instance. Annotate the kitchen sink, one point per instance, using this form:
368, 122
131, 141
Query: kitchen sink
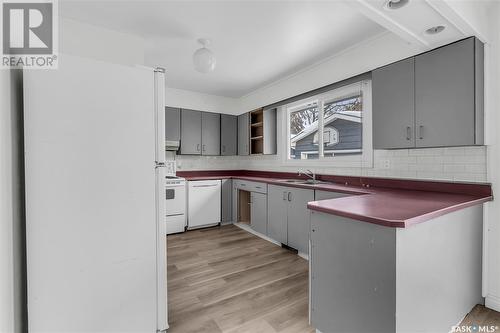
303, 181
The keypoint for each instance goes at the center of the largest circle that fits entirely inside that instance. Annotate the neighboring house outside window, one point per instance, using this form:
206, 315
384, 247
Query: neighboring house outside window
331, 125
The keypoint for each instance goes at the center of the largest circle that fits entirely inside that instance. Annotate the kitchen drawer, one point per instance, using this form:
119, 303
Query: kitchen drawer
250, 186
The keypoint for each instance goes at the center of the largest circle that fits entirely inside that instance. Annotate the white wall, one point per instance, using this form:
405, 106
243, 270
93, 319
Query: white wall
360, 58
198, 101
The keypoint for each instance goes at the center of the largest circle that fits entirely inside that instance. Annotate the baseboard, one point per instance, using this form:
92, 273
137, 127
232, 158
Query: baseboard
303, 255
246, 227
493, 302
202, 226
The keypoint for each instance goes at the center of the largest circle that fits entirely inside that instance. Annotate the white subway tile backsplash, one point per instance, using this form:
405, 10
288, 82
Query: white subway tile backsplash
450, 164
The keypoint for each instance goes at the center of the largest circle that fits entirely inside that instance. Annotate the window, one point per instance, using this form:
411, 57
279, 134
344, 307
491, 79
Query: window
303, 119
330, 125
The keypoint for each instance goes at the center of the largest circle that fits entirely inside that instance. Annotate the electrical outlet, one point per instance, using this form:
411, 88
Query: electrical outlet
386, 164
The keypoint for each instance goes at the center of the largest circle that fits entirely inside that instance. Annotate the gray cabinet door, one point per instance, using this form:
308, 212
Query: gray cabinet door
445, 96
243, 138
353, 275
172, 124
269, 132
190, 132
228, 134
277, 205
325, 195
258, 212
227, 200
393, 98
210, 133
299, 218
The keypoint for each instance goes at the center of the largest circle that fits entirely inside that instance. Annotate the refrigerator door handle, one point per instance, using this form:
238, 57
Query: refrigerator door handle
159, 96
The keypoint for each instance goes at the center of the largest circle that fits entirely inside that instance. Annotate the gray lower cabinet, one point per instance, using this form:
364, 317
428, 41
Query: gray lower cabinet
352, 275
227, 200
446, 110
277, 205
299, 218
243, 134
210, 133
228, 135
288, 216
172, 124
358, 268
393, 104
325, 195
258, 212
190, 132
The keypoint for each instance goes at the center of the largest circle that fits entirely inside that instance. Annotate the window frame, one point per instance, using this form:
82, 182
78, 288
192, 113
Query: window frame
365, 159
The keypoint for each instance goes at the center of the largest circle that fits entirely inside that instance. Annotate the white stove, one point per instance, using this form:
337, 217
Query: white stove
175, 191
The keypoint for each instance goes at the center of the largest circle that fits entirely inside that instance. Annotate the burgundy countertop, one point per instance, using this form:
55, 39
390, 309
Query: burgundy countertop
388, 202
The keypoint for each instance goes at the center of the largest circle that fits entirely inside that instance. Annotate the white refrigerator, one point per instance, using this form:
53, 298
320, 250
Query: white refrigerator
95, 198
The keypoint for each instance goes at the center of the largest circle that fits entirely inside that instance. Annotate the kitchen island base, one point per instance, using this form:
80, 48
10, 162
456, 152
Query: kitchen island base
370, 278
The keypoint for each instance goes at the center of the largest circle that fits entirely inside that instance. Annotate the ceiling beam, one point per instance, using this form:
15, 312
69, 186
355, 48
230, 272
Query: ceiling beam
379, 16
449, 14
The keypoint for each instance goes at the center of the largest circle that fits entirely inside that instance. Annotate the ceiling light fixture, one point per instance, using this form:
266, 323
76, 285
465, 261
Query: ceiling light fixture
435, 30
396, 4
203, 58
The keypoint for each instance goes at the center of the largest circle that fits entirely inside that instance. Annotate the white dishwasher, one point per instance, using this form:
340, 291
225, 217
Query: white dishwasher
204, 203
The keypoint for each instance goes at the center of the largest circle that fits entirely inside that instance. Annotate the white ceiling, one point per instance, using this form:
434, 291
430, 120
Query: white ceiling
255, 42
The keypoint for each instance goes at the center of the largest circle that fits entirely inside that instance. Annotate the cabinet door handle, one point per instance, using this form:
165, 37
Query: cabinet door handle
284, 196
421, 132
203, 147
198, 147
408, 133
290, 196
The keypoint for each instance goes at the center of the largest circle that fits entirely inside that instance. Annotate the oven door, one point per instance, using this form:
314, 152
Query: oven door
176, 199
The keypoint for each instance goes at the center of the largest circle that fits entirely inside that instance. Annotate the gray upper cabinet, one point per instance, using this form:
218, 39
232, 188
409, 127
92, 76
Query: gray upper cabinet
228, 134
393, 98
277, 203
258, 212
190, 132
299, 218
434, 99
172, 124
243, 134
445, 95
269, 132
210, 133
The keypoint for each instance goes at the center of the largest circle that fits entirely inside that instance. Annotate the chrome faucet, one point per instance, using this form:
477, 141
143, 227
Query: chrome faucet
308, 173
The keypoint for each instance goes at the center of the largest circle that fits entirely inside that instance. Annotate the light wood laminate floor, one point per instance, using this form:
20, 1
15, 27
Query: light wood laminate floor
224, 279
